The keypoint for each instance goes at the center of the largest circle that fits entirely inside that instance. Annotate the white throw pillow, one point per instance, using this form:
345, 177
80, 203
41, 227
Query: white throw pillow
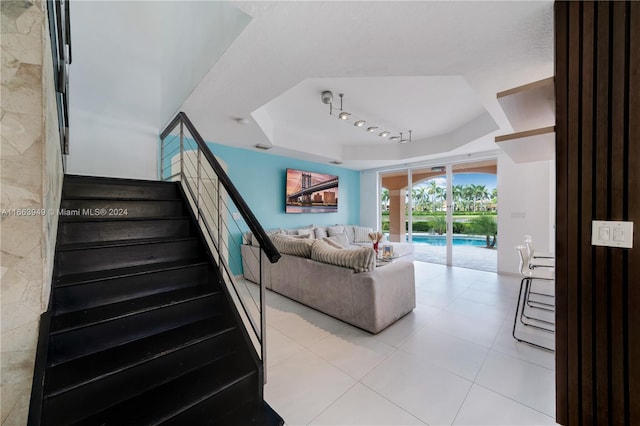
307, 232
340, 239
361, 234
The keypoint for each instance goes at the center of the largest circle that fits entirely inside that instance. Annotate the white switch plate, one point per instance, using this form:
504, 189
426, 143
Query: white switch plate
612, 233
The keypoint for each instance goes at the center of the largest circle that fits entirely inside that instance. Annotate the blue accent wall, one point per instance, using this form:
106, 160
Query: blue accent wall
261, 178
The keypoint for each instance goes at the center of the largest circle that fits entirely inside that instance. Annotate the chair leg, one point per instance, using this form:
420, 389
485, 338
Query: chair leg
527, 289
520, 313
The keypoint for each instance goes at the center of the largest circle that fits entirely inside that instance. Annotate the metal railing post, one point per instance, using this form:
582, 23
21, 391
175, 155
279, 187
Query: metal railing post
198, 185
219, 225
263, 321
181, 150
161, 171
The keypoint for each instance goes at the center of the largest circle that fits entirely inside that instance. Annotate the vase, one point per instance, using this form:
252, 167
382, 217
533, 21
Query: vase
375, 247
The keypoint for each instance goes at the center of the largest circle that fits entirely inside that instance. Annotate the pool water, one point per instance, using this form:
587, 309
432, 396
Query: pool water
441, 240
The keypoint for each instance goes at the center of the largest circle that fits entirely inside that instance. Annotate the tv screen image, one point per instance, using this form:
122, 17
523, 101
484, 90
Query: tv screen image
310, 192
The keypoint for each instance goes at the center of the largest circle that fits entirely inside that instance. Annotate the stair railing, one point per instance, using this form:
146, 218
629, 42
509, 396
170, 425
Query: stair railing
223, 217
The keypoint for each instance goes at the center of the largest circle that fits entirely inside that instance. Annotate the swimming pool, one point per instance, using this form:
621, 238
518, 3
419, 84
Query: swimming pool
458, 240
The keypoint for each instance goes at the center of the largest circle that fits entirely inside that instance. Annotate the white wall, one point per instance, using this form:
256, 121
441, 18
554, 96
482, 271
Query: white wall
134, 64
369, 205
526, 194
114, 148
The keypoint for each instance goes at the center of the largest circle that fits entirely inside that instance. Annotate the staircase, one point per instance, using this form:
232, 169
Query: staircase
141, 331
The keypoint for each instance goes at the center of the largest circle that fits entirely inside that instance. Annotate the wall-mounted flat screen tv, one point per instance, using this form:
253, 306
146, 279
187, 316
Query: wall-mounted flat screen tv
310, 192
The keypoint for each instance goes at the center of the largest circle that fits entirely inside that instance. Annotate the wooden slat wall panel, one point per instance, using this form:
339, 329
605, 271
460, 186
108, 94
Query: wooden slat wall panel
633, 207
598, 177
561, 82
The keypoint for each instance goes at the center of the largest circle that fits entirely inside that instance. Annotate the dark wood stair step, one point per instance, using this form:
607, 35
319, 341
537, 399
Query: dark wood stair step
87, 209
80, 258
69, 375
98, 331
134, 379
102, 230
89, 317
85, 291
226, 377
254, 413
113, 274
90, 186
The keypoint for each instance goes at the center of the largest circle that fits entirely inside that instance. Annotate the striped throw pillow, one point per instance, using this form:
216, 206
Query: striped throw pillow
294, 246
360, 260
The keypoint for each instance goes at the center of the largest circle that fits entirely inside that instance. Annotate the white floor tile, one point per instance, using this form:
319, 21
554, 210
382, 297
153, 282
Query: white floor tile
362, 406
484, 407
398, 332
430, 393
353, 351
307, 327
324, 371
527, 383
280, 347
506, 344
481, 331
304, 386
456, 355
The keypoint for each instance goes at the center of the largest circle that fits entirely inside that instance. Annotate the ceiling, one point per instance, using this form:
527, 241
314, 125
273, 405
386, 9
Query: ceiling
430, 67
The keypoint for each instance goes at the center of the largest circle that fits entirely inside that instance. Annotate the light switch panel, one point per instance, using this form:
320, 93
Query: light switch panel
612, 233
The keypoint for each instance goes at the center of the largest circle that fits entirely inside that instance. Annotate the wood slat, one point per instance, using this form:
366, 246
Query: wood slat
561, 11
633, 212
617, 191
573, 235
586, 203
601, 210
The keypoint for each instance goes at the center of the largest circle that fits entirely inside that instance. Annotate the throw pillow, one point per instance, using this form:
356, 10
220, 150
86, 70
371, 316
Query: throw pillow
348, 229
306, 231
320, 233
361, 234
332, 241
360, 260
341, 239
293, 246
335, 230
301, 237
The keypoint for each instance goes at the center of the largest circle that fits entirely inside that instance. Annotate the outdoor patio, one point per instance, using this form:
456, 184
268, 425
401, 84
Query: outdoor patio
472, 257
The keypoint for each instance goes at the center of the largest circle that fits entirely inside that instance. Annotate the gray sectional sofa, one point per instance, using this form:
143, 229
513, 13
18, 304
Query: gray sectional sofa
325, 277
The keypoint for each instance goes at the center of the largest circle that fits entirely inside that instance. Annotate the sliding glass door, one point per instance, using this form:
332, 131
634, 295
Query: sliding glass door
449, 212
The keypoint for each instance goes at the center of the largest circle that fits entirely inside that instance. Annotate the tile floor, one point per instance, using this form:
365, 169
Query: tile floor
451, 361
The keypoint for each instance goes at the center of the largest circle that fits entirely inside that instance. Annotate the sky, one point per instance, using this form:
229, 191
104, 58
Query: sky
488, 180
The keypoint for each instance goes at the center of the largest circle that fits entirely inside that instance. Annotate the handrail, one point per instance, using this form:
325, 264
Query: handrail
258, 231
60, 36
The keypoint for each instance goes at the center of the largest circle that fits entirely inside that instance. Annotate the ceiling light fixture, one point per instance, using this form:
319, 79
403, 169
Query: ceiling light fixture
327, 98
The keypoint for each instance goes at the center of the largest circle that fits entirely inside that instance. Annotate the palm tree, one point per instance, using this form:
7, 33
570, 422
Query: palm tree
440, 194
469, 195
384, 198
433, 191
487, 226
420, 197
457, 196
481, 193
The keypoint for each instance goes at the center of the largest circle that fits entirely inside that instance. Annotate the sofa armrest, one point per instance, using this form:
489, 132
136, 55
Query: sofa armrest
384, 295
251, 265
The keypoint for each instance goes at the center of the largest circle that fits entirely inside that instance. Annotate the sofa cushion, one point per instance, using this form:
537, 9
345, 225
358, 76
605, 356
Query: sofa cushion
294, 231
320, 233
360, 260
270, 233
307, 232
335, 230
361, 234
336, 242
295, 246
339, 239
